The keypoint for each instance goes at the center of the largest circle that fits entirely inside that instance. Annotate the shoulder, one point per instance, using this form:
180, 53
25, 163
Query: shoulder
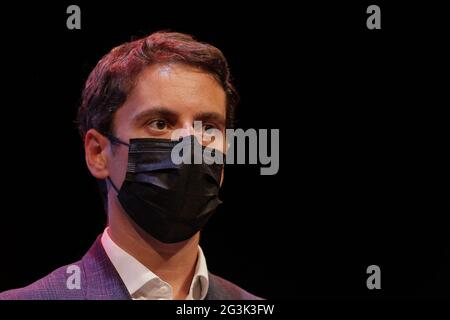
92, 278
221, 289
56, 285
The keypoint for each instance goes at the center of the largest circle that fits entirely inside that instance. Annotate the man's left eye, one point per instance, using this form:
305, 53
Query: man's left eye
209, 127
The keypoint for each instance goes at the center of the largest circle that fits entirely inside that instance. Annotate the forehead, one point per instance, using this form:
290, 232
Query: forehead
178, 87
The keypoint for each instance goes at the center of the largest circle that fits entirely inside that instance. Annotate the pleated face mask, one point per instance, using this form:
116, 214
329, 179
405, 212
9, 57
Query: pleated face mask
170, 200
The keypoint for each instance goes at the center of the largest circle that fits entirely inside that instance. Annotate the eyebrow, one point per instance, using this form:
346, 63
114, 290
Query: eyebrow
211, 116
165, 112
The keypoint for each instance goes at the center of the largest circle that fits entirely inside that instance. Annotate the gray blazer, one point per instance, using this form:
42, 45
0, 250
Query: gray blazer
100, 281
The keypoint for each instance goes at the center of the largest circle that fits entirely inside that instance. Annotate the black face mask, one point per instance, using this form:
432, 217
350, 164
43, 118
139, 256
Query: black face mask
171, 202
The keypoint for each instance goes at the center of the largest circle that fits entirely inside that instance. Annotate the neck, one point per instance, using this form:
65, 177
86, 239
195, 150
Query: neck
174, 263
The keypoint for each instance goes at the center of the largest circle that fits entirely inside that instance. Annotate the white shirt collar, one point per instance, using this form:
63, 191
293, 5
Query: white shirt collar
143, 284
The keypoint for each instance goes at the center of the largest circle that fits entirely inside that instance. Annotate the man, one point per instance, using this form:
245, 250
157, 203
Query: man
138, 98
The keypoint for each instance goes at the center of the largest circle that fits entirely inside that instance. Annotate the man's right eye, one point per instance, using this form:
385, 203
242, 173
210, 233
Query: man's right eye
158, 124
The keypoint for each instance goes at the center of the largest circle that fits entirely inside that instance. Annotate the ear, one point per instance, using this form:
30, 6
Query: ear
96, 147
221, 176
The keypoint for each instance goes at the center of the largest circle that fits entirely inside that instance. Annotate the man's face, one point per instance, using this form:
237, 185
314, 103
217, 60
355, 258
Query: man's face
167, 98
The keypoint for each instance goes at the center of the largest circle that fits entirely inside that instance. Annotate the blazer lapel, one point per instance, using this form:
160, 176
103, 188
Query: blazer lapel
101, 278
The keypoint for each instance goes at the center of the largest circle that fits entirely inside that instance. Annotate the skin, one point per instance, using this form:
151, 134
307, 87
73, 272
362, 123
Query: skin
165, 98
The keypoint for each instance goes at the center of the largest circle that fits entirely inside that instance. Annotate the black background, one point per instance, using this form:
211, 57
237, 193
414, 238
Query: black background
363, 118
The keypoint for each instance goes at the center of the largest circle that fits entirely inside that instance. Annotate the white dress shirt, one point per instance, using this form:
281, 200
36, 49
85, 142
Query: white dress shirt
142, 284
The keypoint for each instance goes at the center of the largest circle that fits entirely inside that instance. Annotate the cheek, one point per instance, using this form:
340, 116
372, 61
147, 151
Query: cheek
118, 167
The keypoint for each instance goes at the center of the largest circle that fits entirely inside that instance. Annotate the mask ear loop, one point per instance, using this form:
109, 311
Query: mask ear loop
115, 141
112, 184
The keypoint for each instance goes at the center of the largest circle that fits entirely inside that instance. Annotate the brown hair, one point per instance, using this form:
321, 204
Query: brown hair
113, 78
